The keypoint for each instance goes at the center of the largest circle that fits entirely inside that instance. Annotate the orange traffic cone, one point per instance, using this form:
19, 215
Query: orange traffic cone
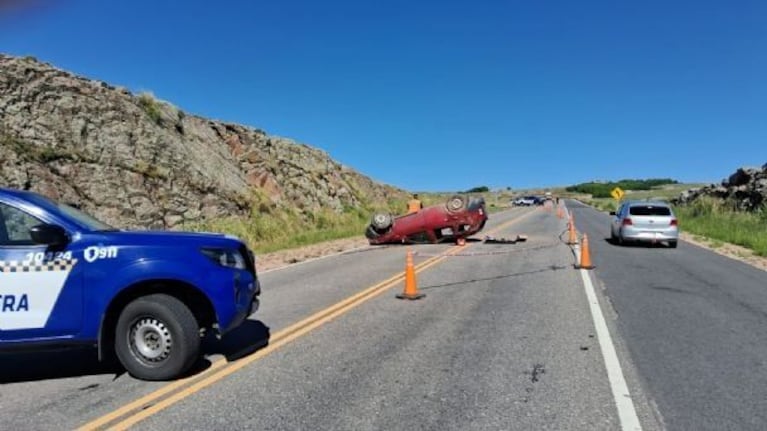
560, 213
460, 241
572, 239
411, 289
585, 254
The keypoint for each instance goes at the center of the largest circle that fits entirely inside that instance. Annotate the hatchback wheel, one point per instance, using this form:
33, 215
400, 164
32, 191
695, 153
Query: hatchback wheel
381, 221
455, 203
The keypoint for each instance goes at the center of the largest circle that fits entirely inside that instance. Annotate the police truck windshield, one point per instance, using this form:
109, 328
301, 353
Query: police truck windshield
84, 219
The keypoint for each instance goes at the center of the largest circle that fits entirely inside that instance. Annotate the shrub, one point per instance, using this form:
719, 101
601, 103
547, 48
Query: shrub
151, 106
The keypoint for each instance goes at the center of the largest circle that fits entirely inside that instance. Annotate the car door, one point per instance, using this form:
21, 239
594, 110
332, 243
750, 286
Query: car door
40, 289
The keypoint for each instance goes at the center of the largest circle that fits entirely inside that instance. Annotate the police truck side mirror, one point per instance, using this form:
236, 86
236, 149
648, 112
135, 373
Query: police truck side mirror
612, 212
49, 234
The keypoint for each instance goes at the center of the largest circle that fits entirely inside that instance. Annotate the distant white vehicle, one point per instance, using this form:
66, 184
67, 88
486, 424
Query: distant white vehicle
525, 201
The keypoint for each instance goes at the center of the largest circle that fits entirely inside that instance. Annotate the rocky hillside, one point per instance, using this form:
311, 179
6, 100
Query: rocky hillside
135, 161
746, 190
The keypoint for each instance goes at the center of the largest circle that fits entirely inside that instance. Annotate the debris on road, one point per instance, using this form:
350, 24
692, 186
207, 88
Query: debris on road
493, 240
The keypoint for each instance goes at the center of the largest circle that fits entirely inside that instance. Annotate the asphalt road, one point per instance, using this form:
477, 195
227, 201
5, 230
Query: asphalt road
695, 324
503, 340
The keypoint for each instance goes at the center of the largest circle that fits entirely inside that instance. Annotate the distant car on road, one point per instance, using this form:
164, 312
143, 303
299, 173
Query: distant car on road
459, 217
526, 201
640, 221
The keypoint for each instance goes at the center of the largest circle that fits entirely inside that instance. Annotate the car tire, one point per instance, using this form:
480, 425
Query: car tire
613, 238
455, 203
157, 337
672, 244
381, 221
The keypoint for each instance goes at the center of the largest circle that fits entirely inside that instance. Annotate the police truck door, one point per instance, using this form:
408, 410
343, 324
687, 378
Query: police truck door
40, 288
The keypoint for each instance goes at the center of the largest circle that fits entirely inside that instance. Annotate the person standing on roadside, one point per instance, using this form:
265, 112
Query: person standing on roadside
414, 205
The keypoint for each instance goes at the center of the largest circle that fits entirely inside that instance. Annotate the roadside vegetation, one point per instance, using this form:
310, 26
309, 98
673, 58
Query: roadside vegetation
714, 219
277, 230
603, 189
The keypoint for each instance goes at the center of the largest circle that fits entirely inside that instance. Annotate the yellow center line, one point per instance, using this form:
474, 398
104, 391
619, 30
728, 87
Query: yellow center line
141, 402
146, 405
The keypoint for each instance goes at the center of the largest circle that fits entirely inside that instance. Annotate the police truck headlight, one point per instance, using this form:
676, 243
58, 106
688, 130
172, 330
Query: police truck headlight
225, 257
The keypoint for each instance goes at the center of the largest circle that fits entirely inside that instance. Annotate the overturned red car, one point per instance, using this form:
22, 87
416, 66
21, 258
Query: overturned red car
459, 217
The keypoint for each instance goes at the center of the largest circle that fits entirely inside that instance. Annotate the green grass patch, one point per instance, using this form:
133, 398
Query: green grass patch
267, 232
602, 190
270, 227
715, 220
664, 193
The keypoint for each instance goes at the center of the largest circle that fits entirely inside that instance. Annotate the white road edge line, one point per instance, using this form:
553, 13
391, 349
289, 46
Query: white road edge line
626, 411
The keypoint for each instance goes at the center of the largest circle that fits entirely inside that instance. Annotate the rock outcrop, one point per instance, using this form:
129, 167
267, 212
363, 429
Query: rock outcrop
135, 161
746, 190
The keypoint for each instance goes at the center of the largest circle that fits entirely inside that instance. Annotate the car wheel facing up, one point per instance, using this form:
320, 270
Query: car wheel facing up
381, 221
455, 203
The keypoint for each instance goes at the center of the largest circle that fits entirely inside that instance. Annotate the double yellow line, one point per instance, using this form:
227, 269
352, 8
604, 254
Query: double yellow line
154, 402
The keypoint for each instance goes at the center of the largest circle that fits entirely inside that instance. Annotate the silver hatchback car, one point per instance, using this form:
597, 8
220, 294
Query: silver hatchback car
644, 221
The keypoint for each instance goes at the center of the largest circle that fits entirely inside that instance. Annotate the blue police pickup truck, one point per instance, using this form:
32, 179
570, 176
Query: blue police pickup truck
142, 296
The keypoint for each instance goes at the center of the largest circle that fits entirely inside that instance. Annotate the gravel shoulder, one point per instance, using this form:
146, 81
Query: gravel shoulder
279, 259
726, 249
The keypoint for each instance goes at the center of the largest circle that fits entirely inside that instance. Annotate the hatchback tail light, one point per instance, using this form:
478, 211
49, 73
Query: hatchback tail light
627, 222
673, 222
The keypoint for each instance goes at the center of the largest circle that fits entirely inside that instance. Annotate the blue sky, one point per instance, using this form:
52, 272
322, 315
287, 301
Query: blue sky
442, 95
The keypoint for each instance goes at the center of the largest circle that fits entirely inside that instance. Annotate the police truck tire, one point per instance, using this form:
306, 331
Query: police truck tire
455, 203
157, 338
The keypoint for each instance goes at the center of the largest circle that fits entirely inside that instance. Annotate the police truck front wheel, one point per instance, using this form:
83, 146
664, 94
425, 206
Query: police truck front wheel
157, 338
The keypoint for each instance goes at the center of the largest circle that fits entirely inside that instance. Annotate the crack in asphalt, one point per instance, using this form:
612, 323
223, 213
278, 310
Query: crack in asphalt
498, 277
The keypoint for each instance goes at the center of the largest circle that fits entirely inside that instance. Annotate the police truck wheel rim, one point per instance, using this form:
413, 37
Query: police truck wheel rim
150, 340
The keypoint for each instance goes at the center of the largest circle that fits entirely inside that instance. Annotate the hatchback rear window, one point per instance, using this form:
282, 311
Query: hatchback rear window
649, 210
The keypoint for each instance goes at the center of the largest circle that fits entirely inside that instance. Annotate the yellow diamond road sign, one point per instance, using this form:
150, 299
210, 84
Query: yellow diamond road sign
617, 193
